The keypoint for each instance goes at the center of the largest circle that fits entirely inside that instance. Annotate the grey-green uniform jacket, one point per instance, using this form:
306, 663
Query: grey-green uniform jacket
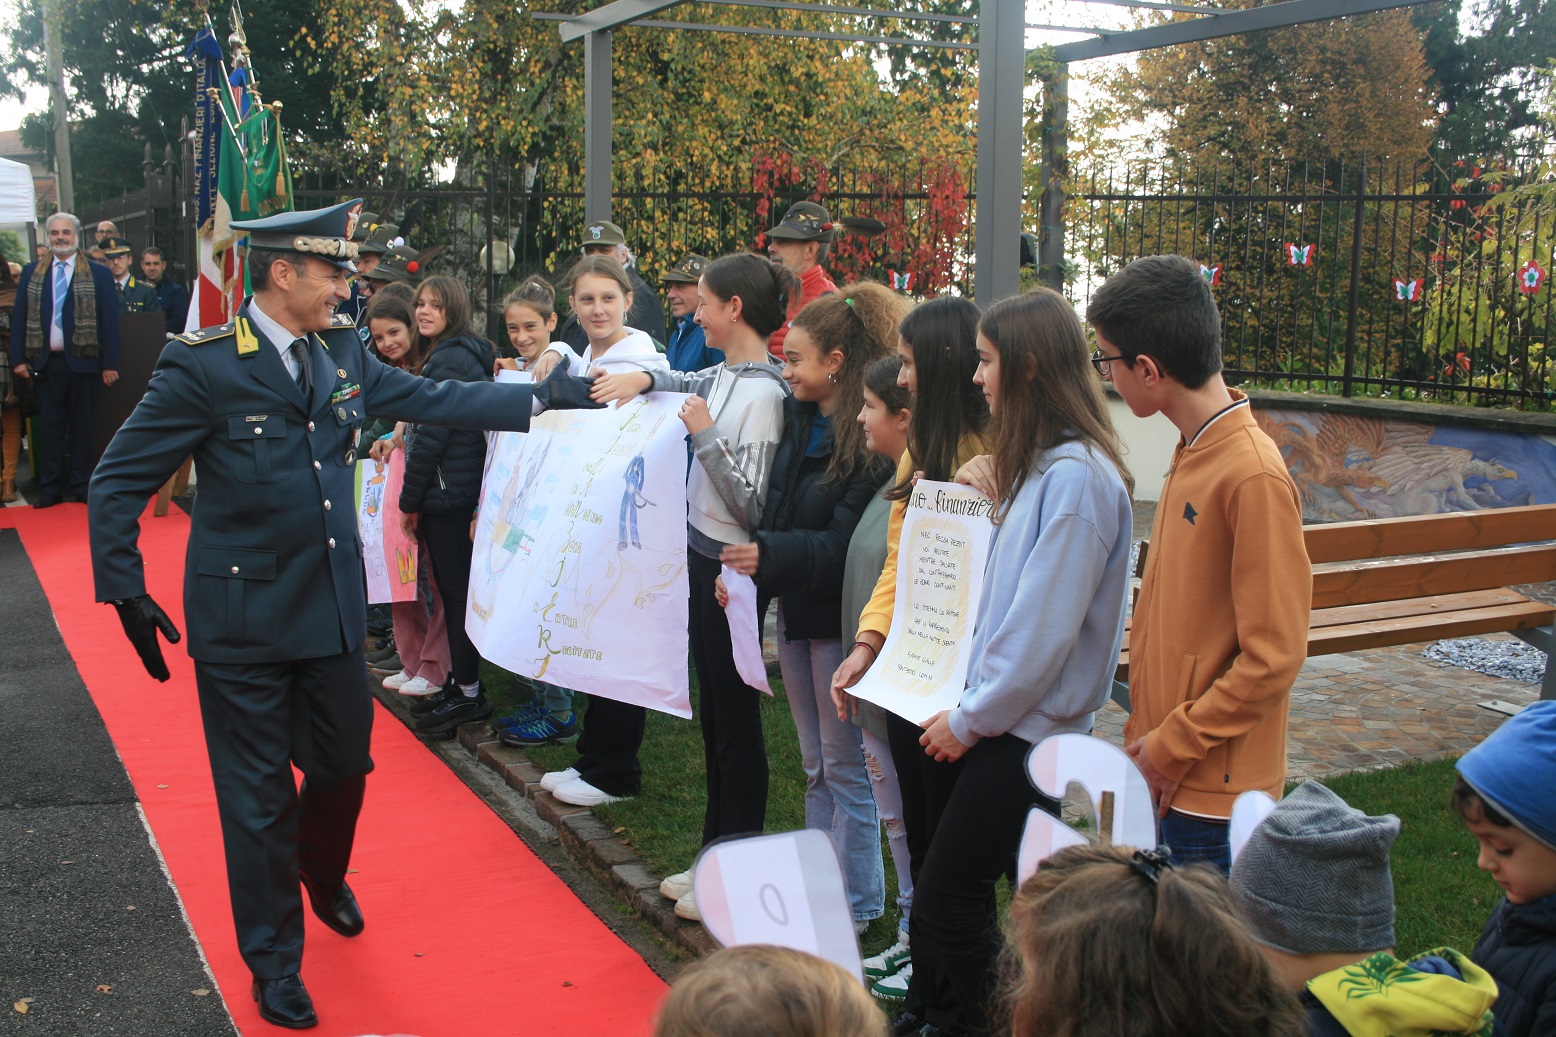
274, 565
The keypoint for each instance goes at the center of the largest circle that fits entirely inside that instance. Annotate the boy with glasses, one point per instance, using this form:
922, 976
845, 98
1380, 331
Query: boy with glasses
1220, 627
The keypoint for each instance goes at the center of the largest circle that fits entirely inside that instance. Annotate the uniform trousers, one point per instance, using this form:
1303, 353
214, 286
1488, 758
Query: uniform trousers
260, 720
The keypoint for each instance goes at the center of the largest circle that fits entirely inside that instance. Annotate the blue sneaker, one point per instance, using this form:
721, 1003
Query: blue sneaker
527, 714
545, 729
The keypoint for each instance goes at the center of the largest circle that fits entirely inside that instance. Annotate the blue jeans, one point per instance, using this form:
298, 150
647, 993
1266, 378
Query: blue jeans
553, 697
1197, 839
838, 796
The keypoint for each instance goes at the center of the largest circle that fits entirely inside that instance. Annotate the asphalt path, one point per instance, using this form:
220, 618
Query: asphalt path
93, 940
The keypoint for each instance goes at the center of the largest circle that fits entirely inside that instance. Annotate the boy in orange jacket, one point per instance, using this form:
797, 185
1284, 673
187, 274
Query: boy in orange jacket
1220, 628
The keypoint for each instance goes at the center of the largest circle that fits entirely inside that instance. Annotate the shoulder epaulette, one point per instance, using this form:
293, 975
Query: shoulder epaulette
341, 320
204, 335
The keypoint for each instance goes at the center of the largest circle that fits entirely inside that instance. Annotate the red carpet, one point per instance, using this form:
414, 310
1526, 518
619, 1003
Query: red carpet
468, 933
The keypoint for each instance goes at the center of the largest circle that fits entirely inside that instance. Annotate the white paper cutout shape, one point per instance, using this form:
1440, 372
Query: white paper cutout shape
784, 889
1248, 810
1043, 836
1120, 797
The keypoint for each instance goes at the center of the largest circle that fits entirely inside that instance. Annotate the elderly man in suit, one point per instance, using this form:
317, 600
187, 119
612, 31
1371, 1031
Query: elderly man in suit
65, 330
270, 406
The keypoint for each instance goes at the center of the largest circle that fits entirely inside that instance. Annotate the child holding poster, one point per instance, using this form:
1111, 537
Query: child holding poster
1050, 622
608, 767
735, 417
529, 315
823, 477
937, 347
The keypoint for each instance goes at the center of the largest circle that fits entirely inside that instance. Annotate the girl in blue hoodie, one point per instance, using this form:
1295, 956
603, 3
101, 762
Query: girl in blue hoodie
1050, 622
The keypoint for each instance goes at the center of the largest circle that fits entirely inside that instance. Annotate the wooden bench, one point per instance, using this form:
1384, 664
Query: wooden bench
1398, 581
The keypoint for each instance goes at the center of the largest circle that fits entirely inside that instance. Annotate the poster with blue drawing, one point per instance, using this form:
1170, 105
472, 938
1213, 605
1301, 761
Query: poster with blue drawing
579, 571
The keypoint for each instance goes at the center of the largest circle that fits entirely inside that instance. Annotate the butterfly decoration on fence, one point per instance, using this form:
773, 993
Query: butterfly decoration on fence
1301, 255
1409, 291
1530, 277
1211, 273
901, 282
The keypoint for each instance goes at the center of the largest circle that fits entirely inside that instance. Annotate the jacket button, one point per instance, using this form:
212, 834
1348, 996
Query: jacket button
332, 541
258, 430
310, 427
317, 466
326, 505
235, 568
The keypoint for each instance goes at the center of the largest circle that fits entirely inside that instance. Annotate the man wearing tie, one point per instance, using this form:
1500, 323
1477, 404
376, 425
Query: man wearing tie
135, 296
65, 329
270, 406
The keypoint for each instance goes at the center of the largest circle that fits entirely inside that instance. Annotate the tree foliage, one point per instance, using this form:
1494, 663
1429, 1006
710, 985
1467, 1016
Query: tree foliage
1486, 80
1316, 92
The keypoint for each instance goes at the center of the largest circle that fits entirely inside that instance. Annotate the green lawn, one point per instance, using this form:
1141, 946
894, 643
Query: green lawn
1442, 897
664, 824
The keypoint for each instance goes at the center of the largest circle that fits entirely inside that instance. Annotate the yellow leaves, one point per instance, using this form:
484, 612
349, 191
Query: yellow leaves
23, 1006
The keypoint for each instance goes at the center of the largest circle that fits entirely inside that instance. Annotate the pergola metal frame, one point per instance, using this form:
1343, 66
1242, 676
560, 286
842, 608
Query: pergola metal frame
1001, 37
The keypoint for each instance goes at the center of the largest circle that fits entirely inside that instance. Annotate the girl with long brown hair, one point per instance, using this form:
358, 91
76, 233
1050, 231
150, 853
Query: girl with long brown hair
1050, 621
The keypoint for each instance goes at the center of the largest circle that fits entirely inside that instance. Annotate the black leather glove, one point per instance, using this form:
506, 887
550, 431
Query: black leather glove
142, 618
563, 391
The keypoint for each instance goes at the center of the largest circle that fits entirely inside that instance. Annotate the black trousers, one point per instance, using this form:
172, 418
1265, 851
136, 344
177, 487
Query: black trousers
733, 748
260, 719
926, 786
447, 536
974, 840
612, 734
65, 401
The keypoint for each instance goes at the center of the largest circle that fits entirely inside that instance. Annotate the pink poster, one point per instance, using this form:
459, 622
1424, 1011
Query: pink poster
388, 558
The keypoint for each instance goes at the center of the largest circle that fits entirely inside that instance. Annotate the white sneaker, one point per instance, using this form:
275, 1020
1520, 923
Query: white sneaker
420, 687
580, 793
396, 681
686, 907
888, 962
551, 779
895, 986
676, 886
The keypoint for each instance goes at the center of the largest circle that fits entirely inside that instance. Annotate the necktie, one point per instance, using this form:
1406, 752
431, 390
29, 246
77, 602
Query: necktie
61, 286
304, 362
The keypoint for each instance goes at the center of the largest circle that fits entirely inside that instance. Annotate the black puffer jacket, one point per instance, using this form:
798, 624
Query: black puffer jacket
1518, 948
806, 525
443, 466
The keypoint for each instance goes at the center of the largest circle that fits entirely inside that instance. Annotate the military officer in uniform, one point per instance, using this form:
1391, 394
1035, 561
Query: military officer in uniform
135, 296
274, 597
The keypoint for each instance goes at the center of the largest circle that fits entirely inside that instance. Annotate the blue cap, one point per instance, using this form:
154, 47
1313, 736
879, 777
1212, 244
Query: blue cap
325, 233
1514, 770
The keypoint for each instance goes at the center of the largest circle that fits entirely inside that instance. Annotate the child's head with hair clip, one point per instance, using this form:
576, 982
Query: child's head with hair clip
764, 991
529, 314
1114, 942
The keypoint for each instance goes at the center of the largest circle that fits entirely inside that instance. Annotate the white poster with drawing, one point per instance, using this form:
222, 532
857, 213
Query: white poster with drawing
945, 543
579, 571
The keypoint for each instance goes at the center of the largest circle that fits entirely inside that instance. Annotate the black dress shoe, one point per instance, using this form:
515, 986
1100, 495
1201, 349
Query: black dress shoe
336, 908
48, 500
907, 1023
285, 1002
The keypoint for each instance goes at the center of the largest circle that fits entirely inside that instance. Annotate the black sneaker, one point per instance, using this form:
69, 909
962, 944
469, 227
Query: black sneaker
421, 707
459, 709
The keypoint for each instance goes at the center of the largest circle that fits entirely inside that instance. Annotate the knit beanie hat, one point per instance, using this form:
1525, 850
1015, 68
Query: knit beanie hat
1314, 877
1514, 770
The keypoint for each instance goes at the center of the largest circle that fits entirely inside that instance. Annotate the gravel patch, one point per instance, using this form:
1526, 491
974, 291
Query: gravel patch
1510, 658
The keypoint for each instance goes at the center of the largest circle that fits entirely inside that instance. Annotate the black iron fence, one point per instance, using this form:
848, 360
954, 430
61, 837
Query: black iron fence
1405, 279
